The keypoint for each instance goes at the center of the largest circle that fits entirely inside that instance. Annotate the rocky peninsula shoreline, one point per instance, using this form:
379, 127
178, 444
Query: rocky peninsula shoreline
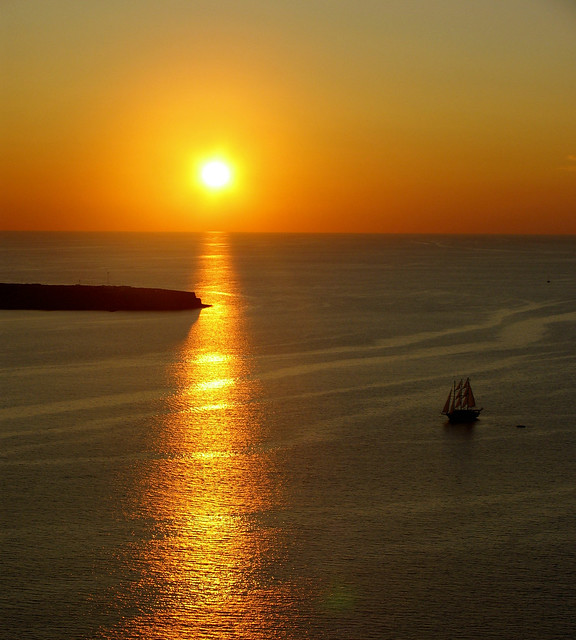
78, 297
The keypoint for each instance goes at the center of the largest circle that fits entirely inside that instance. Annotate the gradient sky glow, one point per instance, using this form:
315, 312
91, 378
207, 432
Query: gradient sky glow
345, 116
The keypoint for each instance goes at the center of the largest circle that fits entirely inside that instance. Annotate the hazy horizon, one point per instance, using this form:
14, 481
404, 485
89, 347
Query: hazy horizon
366, 117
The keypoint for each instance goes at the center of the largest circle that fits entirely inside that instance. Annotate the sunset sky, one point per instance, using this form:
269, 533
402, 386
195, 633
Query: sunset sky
411, 116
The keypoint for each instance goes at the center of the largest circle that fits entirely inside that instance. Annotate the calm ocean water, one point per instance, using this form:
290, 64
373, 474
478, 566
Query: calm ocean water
276, 466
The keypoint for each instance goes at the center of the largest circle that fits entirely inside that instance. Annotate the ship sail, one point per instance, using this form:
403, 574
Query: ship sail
470, 399
447, 405
457, 396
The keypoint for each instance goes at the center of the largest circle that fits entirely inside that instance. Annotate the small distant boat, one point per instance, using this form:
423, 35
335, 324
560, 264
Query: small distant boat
460, 405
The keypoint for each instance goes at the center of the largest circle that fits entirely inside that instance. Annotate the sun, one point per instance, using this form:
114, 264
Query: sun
215, 174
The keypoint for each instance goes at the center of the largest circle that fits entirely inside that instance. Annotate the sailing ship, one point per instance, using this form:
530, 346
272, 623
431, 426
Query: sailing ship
460, 405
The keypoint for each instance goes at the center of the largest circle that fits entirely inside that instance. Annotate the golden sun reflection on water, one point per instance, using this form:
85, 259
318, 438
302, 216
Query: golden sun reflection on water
208, 493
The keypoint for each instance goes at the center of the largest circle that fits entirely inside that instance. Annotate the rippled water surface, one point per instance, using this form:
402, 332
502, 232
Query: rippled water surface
276, 465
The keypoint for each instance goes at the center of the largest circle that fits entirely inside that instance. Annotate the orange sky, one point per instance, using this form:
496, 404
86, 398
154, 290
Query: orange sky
368, 116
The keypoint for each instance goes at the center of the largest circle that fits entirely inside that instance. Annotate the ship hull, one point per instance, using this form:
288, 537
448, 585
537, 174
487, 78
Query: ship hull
463, 415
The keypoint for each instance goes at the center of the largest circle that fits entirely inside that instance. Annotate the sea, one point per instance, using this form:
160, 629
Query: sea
276, 465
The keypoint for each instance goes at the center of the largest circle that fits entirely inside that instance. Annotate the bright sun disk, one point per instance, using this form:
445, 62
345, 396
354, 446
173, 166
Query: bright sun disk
215, 174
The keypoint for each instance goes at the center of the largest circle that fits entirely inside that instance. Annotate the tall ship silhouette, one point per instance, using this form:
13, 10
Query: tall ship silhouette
460, 405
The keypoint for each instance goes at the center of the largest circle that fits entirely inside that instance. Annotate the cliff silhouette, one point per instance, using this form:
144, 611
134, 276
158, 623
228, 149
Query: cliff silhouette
79, 297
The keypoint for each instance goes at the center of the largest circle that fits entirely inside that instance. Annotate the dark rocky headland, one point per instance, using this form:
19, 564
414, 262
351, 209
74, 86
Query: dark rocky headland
78, 297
